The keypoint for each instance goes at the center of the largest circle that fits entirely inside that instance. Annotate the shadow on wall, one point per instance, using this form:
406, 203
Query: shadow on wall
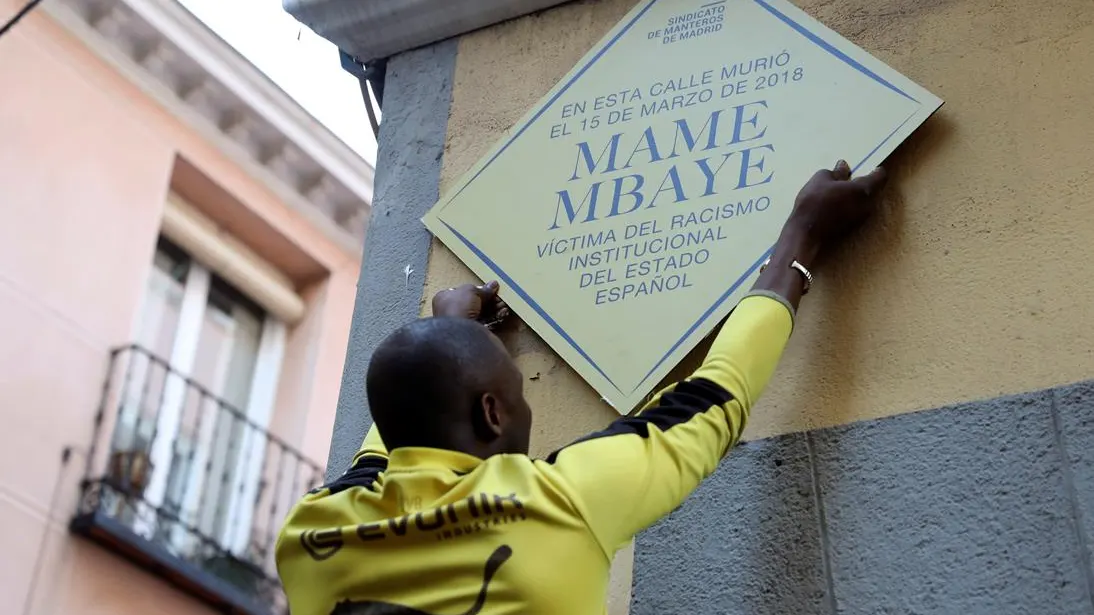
848, 272
851, 270
771, 488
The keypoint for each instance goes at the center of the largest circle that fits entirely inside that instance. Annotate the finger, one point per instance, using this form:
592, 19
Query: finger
488, 290
842, 171
873, 182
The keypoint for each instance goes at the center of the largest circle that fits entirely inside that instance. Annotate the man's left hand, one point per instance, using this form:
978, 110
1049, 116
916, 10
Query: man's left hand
469, 301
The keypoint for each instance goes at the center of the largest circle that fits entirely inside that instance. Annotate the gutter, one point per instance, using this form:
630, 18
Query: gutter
369, 30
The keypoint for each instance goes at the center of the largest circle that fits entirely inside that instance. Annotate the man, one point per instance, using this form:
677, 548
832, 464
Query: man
453, 517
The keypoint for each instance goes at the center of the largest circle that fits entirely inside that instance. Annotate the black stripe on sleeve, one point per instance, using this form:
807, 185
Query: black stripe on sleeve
678, 406
362, 474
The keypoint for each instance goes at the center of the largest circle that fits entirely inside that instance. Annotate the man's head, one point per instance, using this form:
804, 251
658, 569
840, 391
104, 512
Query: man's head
448, 383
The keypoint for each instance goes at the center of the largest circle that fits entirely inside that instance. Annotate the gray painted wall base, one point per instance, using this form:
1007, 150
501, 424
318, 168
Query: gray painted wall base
984, 508
417, 96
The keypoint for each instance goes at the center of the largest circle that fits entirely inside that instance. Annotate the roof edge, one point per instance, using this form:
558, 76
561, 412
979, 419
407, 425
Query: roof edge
182, 64
383, 28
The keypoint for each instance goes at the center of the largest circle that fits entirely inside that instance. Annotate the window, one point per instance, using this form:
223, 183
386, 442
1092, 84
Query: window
199, 421
184, 477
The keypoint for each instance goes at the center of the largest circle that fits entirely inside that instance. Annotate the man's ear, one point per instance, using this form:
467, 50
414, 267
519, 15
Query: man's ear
490, 417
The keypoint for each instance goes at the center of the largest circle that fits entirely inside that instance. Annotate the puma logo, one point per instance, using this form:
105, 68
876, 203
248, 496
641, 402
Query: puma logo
493, 563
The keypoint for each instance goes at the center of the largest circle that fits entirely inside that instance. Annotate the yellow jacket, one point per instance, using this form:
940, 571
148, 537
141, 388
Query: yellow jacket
437, 532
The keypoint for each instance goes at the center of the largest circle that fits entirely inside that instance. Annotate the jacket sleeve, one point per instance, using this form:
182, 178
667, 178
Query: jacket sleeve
643, 466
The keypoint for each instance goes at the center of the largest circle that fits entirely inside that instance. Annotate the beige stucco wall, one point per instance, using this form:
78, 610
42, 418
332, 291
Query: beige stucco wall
86, 161
973, 282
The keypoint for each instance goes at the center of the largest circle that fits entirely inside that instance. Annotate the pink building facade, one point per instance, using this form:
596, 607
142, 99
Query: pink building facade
179, 251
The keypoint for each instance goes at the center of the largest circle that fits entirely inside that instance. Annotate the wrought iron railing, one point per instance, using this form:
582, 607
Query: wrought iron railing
187, 485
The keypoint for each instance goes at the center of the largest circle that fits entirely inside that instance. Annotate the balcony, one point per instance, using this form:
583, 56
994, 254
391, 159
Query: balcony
188, 487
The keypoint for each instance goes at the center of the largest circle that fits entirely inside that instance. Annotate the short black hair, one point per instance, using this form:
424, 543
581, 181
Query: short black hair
426, 377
